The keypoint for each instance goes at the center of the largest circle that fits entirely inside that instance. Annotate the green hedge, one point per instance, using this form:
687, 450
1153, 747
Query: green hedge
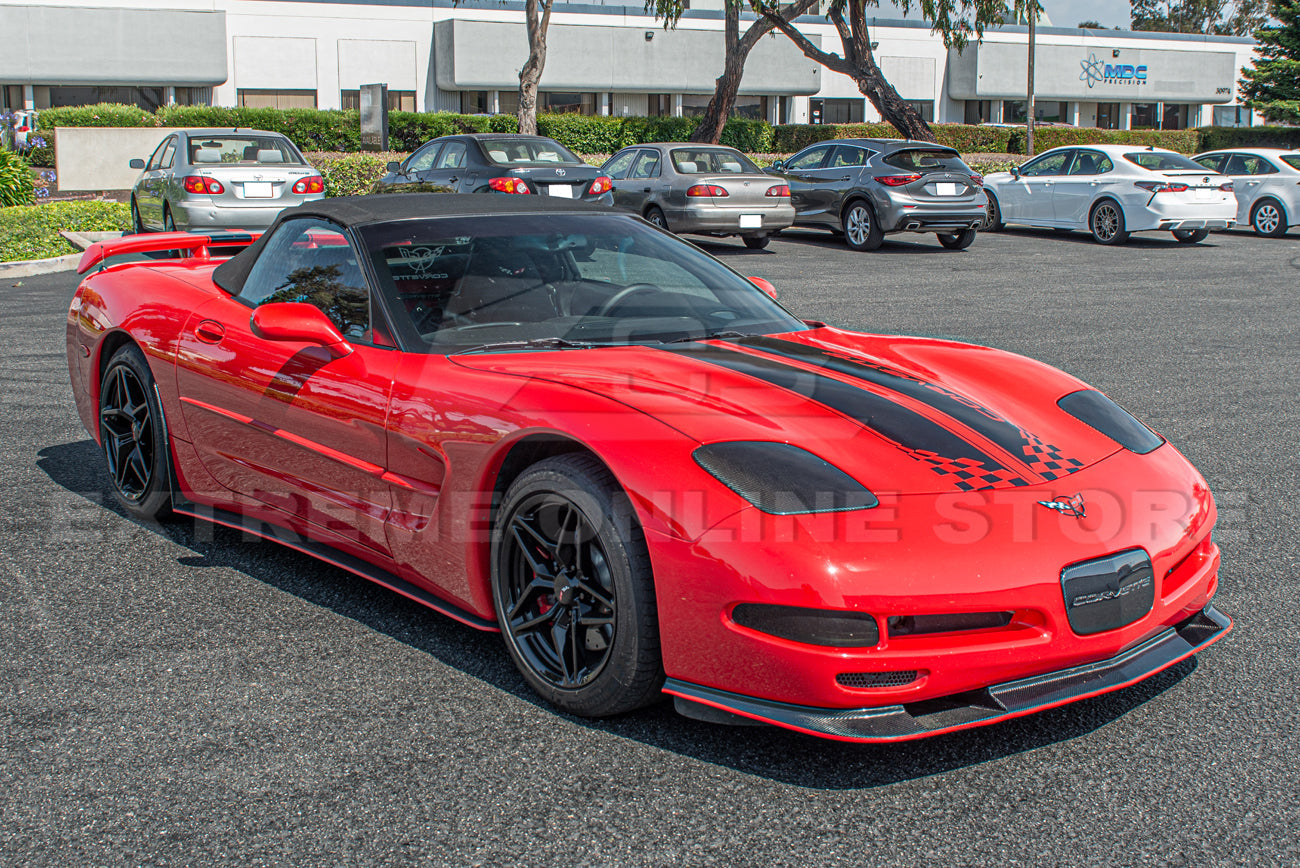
1183, 141
965, 138
1214, 138
350, 174
32, 231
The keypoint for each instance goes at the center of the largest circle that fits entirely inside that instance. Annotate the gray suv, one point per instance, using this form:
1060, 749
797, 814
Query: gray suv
865, 189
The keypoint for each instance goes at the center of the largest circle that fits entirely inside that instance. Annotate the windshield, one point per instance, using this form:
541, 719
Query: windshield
243, 150
1292, 160
517, 152
1161, 161
927, 161
455, 283
711, 161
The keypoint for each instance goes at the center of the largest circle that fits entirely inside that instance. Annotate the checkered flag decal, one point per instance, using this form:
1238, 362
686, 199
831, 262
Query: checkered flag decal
967, 474
1045, 459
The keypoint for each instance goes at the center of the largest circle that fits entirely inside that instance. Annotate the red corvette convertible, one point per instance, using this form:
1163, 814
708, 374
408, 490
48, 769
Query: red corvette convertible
561, 423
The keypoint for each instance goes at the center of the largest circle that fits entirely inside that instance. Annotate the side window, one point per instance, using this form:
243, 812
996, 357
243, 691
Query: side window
1090, 163
647, 165
309, 260
453, 156
617, 167
847, 155
169, 154
156, 159
1237, 165
1258, 165
423, 159
1048, 164
809, 159
1213, 162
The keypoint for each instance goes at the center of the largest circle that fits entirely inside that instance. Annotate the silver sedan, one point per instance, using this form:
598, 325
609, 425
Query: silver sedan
220, 179
1266, 182
701, 189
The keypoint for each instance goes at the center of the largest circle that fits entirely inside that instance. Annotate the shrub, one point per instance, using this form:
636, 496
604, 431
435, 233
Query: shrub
350, 174
33, 232
583, 134
16, 184
1214, 138
1183, 141
309, 129
748, 135
102, 115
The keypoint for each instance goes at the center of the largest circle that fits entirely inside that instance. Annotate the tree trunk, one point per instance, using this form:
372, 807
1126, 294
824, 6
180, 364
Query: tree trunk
727, 85
537, 16
907, 120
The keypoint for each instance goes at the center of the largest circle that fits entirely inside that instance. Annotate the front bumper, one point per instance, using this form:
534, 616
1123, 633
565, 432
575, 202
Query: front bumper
972, 708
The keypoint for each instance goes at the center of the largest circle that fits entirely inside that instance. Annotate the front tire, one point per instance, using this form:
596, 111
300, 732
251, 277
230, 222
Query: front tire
992, 215
861, 229
574, 591
1191, 236
169, 225
133, 435
755, 242
1107, 223
960, 241
137, 225
1268, 219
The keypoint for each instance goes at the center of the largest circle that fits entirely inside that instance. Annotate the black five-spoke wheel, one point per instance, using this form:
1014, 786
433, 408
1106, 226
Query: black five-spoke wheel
132, 436
573, 590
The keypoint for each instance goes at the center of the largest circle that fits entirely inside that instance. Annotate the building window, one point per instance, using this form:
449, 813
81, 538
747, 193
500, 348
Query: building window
566, 103
1051, 112
508, 102
194, 96
924, 107
1174, 116
1145, 116
1108, 116
475, 102
747, 106
398, 100
12, 97
836, 111
978, 111
659, 105
147, 98
1013, 111
1232, 116
276, 99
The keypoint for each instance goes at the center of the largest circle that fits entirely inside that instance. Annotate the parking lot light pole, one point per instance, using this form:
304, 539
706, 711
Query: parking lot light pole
1029, 102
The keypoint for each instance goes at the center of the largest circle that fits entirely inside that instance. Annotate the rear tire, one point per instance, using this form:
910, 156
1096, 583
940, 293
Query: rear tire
756, 242
1191, 236
1268, 218
960, 241
1107, 223
861, 229
133, 435
655, 217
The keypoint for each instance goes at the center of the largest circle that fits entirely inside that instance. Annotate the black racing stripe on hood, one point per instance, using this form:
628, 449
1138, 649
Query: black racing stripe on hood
1043, 458
967, 466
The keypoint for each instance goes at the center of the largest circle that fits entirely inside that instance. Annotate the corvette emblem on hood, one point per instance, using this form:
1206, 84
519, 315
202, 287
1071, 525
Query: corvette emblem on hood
1067, 505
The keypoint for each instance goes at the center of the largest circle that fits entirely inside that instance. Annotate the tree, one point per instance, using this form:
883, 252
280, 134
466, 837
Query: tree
727, 85
956, 20
1272, 84
537, 18
1219, 17
1090, 25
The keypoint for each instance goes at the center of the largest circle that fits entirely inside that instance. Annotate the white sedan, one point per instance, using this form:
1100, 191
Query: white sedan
1112, 190
1267, 184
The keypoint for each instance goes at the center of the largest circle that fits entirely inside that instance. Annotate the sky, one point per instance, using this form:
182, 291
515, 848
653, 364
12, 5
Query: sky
1068, 13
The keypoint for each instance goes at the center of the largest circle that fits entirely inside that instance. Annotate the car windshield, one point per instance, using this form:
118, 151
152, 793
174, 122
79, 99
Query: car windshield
516, 152
457, 283
243, 150
711, 161
1292, 160
1161, 161
928, 160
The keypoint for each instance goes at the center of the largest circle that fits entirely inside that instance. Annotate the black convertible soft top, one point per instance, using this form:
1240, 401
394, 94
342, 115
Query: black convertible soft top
381, 208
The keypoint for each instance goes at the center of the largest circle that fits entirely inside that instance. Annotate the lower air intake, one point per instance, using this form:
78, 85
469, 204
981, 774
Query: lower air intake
865, 680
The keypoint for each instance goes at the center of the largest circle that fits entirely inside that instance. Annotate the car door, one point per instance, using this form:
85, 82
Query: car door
643, 185
616, 169
1250, 180
844, 173
805, 175
291, 424
1028, 197
1077, 189
412, 172
149, 195
451, 169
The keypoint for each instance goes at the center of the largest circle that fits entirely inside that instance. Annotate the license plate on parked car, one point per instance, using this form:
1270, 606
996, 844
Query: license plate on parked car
751, 221
257, 189
945, 188
1204, 192
564, 191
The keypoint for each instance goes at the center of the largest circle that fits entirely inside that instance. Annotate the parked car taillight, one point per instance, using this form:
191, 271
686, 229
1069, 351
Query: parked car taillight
706, 190
509, 185
897, 180
600, 185
978, 179
780, 190
310, 184
199, 184
1161, 186
1226, 186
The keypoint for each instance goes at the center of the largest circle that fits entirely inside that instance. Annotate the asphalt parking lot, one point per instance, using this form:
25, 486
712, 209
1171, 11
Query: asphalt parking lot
181, 695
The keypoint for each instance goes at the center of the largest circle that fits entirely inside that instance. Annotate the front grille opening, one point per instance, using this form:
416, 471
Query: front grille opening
920, 625
868, 680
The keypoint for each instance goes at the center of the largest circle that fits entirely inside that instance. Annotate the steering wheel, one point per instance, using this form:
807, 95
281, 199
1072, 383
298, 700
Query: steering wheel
618, 298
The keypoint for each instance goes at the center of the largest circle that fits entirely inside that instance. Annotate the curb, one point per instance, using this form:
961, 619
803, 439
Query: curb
33, 267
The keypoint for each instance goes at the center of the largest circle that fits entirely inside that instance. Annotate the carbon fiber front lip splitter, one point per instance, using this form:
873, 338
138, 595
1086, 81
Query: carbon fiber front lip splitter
975, 708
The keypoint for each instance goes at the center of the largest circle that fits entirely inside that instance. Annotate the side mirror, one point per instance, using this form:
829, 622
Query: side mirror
778, 165
393, 166
137, 163
1015, 171
299, 321
764, 285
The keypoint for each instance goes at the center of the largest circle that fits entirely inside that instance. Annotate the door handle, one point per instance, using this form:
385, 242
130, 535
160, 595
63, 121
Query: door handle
210, 331
645, 189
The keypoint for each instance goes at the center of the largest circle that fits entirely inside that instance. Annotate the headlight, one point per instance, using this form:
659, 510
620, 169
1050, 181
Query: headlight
782, 479
811, 626
1094, 409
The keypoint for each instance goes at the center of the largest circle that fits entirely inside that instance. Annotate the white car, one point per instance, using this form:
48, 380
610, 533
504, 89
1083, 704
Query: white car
1267, 184
1112, 190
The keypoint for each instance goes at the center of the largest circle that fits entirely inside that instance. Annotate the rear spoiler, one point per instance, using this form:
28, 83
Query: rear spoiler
190, 245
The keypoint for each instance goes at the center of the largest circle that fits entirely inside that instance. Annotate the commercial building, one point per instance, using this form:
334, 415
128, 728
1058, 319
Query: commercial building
437, 55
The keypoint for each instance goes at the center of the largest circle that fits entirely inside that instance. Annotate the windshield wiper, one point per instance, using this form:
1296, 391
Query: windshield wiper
532, 344
709, 336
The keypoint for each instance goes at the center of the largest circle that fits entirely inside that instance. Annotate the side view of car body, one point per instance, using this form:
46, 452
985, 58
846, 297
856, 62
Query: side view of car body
1110, 191
497, 163
705, 189
865, 189
220, 179
1266, 182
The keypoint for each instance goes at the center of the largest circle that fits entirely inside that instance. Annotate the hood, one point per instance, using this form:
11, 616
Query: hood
907, 415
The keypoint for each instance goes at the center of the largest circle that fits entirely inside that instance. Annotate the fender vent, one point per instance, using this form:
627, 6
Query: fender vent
866, 680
